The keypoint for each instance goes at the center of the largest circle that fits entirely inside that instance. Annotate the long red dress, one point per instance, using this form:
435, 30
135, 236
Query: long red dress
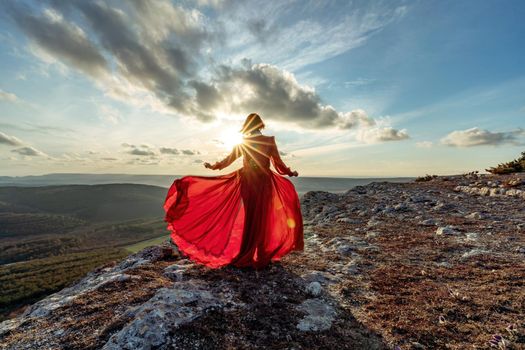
246, 218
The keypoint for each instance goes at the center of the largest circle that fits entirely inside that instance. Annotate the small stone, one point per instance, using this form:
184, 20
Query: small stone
314, 289
476, 215
447, 230
428, 222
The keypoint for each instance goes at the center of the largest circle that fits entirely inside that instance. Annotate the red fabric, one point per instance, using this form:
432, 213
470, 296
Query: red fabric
246, 218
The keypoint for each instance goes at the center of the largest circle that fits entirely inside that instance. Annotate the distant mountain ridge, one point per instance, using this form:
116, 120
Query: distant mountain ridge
302, 184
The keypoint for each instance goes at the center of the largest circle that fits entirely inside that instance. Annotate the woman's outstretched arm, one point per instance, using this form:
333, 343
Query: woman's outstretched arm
235, 153
278, 163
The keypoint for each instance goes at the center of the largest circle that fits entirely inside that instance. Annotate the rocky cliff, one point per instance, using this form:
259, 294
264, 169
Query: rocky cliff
437, 264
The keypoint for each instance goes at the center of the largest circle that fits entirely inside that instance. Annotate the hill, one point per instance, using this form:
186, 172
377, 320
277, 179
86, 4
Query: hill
428, 265
55, 234
96, 203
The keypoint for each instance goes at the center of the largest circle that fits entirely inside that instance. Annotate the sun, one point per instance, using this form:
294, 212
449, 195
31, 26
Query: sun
230, 138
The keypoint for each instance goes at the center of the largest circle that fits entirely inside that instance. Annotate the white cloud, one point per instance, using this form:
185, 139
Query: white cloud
479, 137
424, 144
110, 114
8, 96
381, 134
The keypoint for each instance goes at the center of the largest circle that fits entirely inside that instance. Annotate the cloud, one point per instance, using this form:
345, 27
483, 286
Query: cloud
29, 151
60, 39
141, 152
36, 128
424, 144
479, 137
7, 96
167, 150
110, 114
189, 152
171, 58
381, 134
315, 37
9, 140
275, 94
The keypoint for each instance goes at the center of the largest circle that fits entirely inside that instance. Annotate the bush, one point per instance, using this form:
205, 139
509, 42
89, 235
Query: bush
426, 178
516, 166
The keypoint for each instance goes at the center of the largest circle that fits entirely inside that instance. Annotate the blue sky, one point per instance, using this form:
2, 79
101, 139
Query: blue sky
362, 88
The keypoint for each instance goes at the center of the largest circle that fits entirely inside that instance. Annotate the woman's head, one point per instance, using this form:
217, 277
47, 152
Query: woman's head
252, 123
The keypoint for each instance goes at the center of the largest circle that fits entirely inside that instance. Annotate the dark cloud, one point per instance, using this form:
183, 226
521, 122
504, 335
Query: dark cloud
189, 152
480, 137
141, 152
60, 39
28, 151
9, 140
167, 150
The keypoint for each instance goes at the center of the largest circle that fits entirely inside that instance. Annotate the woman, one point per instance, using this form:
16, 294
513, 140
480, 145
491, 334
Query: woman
246, 218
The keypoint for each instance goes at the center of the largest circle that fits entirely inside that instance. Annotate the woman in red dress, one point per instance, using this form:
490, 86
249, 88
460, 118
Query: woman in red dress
246, 218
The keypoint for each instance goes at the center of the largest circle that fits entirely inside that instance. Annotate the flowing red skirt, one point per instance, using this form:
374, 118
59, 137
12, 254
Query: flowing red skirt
244, 218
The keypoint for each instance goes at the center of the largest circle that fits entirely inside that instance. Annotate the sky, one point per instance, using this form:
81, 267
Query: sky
348, 88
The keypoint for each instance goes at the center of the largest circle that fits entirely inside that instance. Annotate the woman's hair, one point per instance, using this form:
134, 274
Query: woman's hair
252, 123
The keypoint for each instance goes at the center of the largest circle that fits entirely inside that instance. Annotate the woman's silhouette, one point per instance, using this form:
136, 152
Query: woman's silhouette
246, 218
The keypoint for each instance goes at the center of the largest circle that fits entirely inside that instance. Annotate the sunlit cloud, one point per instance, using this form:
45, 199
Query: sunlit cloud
9, 140
8, 96
29, 151
480, 137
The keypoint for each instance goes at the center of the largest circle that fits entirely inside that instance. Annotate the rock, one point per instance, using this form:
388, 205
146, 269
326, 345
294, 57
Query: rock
447, 230
476, 215
428, 222
348, 220
344, 250
314, 289
167, 310
472, 236
402, 207
516, 182
473, 253
373, 222
175, 271
441, 206
319, 315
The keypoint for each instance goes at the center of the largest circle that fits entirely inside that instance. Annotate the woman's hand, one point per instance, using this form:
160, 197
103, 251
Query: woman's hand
294, 173
207, 165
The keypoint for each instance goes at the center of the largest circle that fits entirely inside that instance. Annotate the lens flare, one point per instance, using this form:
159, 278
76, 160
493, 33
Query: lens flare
230, 138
